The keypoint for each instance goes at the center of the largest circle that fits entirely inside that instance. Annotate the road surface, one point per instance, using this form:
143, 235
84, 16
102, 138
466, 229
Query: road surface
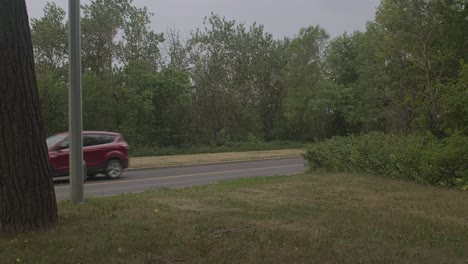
183, 176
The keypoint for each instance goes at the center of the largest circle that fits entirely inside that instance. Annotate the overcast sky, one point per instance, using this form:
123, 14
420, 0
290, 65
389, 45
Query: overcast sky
282, 18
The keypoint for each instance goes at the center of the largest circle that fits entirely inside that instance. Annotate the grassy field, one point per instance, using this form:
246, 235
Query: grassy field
310, 218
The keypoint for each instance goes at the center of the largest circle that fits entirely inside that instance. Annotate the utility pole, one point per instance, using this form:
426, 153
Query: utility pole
74, 101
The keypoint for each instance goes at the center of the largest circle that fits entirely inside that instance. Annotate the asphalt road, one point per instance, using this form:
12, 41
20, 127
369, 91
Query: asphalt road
183, 176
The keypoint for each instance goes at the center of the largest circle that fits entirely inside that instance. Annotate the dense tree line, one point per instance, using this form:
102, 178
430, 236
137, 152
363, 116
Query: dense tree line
229, 81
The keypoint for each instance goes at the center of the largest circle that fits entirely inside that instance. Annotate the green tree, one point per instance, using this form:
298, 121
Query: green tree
176, 51
117, 39
101, 22
157, 106
454, 101
99, 104
237, 73
307, 113
139, 43
53, 96
364, 100
215, 102
424, 42
49, 36
50, 40
377, 105
341, 70
171, 114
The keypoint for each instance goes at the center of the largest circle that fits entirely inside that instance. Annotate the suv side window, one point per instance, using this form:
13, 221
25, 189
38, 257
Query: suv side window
105, 139
89, 140
93, 140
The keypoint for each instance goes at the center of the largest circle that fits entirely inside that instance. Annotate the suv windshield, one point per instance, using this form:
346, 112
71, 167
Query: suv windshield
51, 141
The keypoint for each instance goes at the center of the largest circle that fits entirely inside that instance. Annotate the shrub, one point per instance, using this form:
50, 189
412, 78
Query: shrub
420, 158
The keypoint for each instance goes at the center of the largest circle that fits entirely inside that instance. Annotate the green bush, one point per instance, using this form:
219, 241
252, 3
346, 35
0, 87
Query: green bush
420, 158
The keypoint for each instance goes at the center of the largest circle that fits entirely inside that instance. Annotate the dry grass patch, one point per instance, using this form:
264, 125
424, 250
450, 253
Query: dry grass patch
326, 218
163, 161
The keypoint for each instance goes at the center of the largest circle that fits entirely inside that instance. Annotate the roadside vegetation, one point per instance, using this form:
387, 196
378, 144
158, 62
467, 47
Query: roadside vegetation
228, 147
231, 86
421, 158
391, 100
310, 218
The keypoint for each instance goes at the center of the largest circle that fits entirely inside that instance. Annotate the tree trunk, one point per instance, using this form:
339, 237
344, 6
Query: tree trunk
27, 196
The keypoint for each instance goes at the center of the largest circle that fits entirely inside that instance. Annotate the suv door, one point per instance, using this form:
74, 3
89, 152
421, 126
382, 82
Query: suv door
95, 147
60, 159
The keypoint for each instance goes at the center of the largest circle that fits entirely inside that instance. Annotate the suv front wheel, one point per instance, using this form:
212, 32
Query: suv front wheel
114, 169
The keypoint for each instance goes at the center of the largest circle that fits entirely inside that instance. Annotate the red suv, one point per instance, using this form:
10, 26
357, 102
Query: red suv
103, 152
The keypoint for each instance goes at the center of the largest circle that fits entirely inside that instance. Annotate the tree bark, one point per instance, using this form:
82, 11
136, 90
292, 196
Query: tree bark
27, 196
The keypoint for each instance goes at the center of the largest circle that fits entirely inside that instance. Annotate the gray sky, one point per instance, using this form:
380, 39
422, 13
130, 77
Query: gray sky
280, 17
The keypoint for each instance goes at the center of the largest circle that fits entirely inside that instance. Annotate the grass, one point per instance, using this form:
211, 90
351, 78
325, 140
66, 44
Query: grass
143, 151
174, 160
310, 218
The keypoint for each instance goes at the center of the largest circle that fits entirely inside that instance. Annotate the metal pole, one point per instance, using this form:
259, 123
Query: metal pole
75, 116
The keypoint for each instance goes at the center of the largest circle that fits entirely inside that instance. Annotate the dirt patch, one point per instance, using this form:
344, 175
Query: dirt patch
164, 161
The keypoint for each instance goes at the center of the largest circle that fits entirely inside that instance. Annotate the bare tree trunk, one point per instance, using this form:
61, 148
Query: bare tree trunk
27, 196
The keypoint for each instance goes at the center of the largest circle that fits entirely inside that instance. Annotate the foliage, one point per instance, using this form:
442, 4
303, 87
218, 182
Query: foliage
49, 35
364, 100
53, 97
305, 109
454, 103
423, 42
231, 146
231, 82
237, 76
420, 158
